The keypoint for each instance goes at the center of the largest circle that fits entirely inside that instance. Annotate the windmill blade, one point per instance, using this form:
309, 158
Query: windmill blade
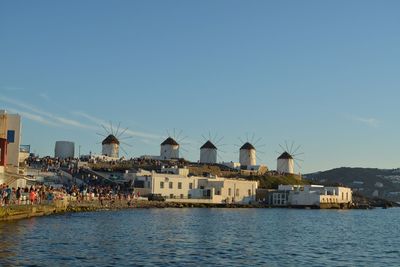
112, 130
127, 137
298, 165
101, 134
291, 148
174, 134
247, 137
129, 145
264, 145
181, 140
126, 129
286, 145
215, 136
241, 140
252, 137
205, 139
296, 159
298, 154
222, 145
179, 134
123, 150
258, 140
105, 129
282, 148
219, 140
296, 149
116, 133
277, 152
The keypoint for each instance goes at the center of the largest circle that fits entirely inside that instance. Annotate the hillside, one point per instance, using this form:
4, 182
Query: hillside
367, 181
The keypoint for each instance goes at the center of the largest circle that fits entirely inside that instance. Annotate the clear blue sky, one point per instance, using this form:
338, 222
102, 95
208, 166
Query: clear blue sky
325, 74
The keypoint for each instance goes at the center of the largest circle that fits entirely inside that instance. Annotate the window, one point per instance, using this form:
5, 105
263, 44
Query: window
237, 192
229, 192
161, 185
342, 196
190, 185
11, 136
181, 195
179, 185
171, 185
171, 196
249, 192
347, 196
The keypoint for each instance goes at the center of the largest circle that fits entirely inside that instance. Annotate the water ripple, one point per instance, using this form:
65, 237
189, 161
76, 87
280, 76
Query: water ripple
204, 237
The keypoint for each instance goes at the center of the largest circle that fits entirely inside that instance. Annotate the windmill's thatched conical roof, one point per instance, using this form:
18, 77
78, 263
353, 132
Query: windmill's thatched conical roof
111, 139
247, 146
208, 145
170, 141
285, 155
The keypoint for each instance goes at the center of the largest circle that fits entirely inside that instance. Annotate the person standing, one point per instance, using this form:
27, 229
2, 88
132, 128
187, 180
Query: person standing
18, 195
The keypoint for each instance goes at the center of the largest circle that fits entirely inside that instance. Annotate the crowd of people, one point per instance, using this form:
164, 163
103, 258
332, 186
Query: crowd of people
91, 189
39, 194
42, 194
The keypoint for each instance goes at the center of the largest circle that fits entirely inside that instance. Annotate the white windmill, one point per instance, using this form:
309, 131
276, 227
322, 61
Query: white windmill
209, 150
172, 146
288, 159
169, 149
113, 140
248, 151
208, 153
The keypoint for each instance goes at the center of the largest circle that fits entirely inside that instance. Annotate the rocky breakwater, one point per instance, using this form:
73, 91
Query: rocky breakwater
116, 205
16, 212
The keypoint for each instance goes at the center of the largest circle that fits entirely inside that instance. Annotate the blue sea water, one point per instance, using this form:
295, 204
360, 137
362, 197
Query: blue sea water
205, 237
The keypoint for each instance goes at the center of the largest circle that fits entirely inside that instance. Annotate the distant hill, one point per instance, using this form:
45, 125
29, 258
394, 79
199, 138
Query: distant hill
369, 182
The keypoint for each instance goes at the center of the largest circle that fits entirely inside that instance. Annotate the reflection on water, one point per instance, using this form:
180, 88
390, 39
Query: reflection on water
198, 237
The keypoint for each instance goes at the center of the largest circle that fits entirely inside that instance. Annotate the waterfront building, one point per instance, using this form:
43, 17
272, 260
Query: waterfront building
169, 149
208, 153
176, 185
318, 196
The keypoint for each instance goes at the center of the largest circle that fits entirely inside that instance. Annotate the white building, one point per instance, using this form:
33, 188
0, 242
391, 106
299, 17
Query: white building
64, 149
177, 186
285, 163
320, 196
110, 147
208, 153
247, 155
169, 149
10, 129
10, 142
232, 165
